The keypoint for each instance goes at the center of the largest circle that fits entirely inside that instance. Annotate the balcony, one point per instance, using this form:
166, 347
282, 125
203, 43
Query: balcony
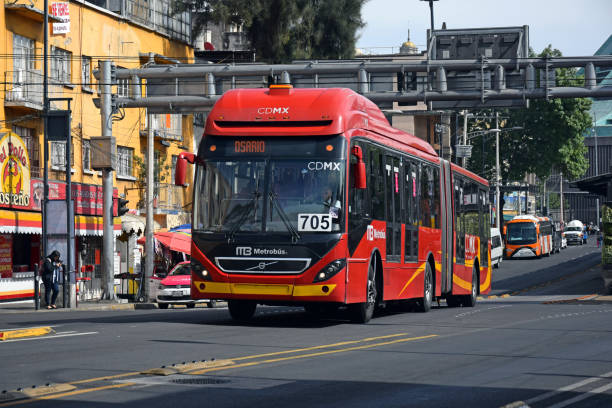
166, 127
23, 89
169, 197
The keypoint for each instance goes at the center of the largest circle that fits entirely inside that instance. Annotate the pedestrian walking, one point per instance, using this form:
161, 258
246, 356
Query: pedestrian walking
599, 239
51, 276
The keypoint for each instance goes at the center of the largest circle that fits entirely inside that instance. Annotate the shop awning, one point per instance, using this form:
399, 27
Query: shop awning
23, 222
179, 241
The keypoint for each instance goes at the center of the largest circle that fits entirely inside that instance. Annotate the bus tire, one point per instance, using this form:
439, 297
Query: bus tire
241, 310
470, 300
424, 304
362, 312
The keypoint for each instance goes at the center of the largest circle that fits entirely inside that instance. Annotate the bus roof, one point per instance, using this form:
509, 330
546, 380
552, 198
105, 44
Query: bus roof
527, 217
283, 110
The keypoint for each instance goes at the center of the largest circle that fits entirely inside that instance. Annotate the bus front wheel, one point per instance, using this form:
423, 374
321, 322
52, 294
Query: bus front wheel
362, 312
241, 310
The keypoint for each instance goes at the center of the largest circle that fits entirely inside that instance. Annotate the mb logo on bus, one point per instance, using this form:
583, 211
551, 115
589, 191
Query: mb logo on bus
372, 233
244, 251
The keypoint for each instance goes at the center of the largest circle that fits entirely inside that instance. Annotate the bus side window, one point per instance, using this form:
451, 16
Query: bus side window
358, 197
377, 182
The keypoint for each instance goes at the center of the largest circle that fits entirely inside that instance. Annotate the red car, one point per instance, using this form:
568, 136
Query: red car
175, 289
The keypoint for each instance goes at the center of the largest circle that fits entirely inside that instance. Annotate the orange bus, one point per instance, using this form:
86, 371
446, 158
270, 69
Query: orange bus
528, 236
309, 197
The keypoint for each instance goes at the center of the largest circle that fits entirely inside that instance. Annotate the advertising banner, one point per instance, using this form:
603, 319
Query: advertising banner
61, 11
14, 172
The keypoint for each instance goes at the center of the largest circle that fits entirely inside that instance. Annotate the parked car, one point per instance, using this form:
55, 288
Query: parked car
497, 248
175, 289
574, 232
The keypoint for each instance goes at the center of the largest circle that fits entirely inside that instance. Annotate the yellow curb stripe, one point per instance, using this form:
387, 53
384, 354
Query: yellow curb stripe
506, 295
321, 353
33, 332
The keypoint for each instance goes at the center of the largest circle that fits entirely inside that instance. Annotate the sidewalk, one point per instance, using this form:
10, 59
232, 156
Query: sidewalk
27, 306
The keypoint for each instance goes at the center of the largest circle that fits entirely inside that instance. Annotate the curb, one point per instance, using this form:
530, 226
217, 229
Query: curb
19, 333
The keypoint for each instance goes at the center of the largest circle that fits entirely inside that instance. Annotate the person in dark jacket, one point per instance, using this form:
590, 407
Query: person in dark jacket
51, 276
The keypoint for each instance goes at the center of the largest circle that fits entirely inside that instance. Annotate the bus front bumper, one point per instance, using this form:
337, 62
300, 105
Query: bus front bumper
524, 252
322, 292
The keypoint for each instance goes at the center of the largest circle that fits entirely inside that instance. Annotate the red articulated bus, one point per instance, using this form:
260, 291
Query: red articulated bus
309, 197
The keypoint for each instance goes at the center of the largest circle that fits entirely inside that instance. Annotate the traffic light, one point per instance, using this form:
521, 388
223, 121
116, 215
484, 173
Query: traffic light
122, 206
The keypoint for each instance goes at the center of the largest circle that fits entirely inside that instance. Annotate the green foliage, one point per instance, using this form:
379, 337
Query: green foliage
284, 30
551, 135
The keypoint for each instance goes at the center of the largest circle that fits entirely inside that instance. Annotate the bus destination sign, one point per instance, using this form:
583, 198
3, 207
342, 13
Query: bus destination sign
249, 146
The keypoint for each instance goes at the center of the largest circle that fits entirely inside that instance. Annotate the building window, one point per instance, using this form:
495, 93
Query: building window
23, 55
60, 65
86, 73
123, 86
31, 142
86, 155
125, 157
58, 155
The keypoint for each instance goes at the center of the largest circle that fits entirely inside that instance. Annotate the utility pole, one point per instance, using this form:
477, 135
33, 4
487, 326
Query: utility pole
149, 206
500, 211
596, 168
108, 248
465, 127
561, 195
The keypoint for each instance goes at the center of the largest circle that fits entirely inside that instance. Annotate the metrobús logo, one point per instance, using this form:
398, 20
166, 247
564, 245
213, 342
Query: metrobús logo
372, 233
14, 171
248, 251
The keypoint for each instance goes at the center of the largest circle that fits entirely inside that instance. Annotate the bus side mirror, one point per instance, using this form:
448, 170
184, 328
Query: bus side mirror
359, 169
181, 167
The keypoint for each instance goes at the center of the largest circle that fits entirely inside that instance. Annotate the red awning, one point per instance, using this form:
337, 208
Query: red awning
176, 241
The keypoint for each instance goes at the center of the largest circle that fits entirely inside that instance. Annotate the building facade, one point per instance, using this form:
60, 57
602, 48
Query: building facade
131, 33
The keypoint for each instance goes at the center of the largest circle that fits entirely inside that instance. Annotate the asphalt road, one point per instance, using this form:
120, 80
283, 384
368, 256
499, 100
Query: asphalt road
541, 345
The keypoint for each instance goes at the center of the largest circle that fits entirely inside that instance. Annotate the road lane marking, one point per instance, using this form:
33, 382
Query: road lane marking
343, 343
569, 387
320, 353
583, 396
65, 394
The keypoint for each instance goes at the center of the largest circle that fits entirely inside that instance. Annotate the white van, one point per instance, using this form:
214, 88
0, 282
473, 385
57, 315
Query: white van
497, 248
574, 232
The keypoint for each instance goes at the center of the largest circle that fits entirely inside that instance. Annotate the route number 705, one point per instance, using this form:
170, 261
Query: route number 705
315, 222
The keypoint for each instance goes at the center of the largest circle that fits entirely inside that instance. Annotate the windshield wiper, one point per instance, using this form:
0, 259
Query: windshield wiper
283, 217
250, 207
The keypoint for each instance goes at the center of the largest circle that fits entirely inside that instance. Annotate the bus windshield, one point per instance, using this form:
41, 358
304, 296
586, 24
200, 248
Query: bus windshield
267, 194
519, 233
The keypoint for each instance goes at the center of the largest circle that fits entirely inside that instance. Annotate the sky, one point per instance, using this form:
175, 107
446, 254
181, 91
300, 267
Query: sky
576, 28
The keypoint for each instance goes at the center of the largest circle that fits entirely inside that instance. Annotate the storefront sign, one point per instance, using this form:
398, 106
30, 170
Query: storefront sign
6, 256
14, 172
61, 11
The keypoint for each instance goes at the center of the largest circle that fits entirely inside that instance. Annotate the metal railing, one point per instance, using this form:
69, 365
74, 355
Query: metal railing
169, 197
159, 15
166, 127
24, 86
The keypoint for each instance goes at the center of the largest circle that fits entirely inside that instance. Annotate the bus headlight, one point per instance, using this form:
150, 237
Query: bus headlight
330, 270
199, 270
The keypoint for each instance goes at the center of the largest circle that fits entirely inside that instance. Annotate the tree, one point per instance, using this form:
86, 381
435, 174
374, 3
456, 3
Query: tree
552, 135
284, 30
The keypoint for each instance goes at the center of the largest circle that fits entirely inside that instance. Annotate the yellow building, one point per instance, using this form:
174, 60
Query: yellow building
131, 33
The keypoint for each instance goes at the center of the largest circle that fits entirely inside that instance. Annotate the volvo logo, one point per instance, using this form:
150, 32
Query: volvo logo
244, 251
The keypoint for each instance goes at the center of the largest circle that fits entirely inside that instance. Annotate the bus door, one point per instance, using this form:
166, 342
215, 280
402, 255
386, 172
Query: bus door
485, 226
459, 222
393, 208
411, 186
446, 205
